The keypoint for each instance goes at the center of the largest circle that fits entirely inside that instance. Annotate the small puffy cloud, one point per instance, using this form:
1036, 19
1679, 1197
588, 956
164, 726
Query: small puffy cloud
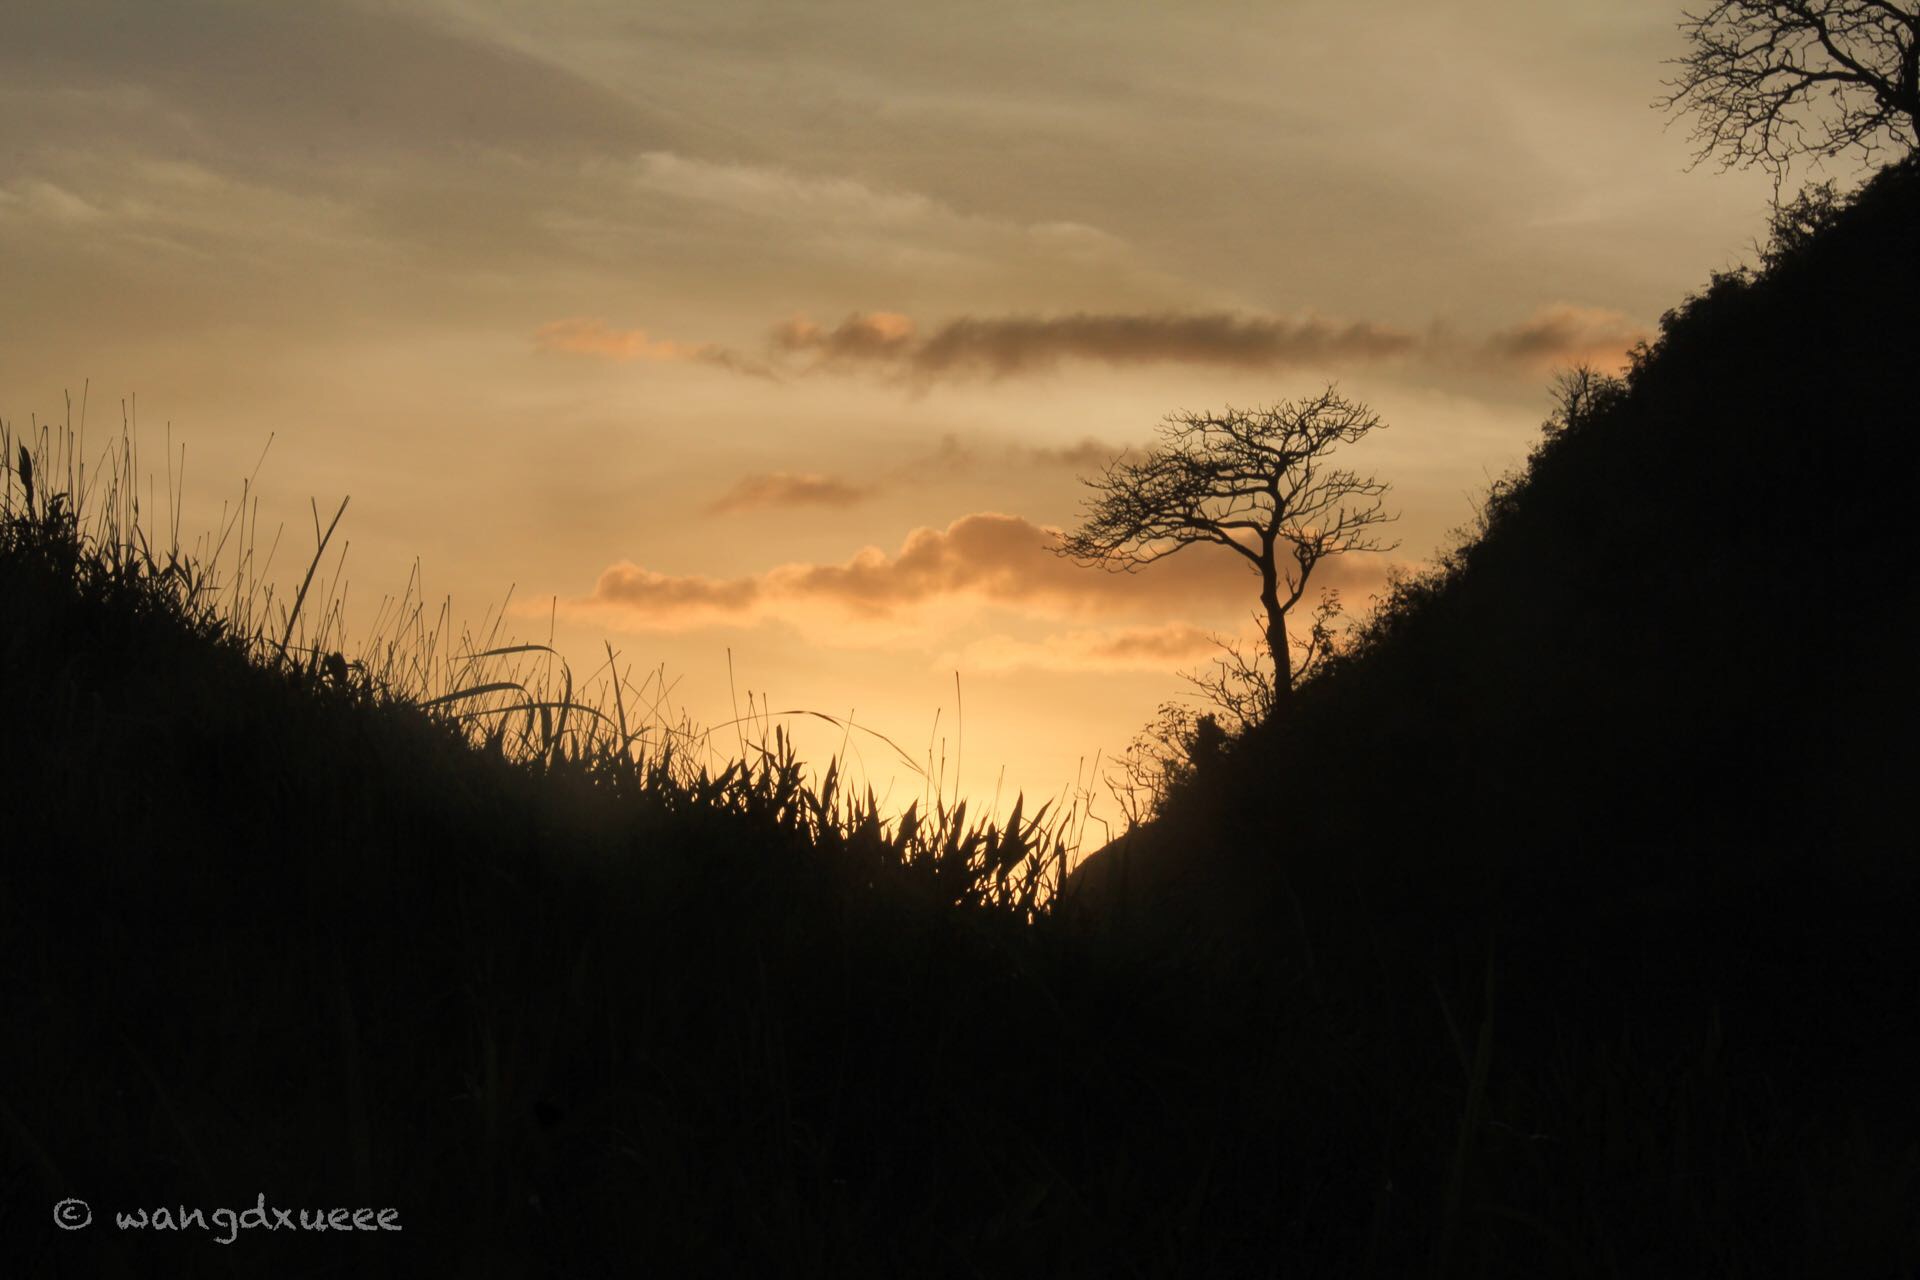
788, 489
987, 558
1564, 334
592, 337
643, 590
1005, 346
877, 335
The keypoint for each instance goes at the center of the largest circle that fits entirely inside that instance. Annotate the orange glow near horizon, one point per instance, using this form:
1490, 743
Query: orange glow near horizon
774, 353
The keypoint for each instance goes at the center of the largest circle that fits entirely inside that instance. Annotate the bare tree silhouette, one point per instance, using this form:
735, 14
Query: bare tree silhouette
1252, 480
1227, 697
1771, 80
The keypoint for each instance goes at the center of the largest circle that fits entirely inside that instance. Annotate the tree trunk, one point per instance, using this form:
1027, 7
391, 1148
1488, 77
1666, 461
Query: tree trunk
1277, 646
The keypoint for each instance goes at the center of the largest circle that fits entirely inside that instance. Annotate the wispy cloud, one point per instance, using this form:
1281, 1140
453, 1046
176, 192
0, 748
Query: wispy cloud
789, 489
880, 226
281, 80
1087, 454
48, 201
893, 346
1146, 648
772, 192
585, 336
1563, 334
591, 336
1006, 346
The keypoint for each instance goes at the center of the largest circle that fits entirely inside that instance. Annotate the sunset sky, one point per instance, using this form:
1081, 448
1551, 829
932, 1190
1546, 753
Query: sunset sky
788, 328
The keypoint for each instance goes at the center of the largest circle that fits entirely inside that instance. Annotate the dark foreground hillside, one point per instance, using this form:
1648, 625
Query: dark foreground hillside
1643, 751
1566, 928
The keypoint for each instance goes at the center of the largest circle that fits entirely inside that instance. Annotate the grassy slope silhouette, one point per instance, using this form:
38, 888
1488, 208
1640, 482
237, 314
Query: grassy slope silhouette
1557, 934
1644, 737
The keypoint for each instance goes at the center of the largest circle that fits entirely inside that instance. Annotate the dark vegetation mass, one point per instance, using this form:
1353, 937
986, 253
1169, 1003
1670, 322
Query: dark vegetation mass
1561, 928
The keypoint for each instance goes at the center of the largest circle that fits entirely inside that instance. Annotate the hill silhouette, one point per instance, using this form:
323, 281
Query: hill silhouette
1673, 648
1644, 736
1561, 931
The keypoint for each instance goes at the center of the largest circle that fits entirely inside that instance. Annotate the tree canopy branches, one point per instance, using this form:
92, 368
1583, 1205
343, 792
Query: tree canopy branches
1770, 80
1255, 481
